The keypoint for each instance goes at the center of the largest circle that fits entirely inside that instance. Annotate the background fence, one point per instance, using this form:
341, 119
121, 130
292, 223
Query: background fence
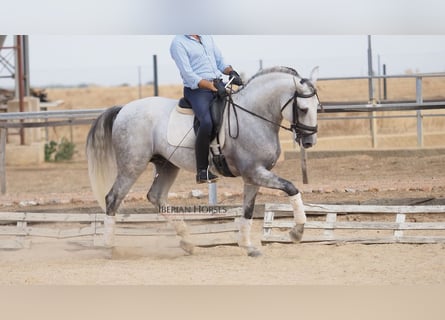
381, 108
369, 114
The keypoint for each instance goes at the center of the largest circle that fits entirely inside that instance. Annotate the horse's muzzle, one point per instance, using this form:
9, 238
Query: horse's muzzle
308, 141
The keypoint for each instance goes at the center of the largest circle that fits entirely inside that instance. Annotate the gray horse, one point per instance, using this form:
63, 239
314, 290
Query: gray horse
123, 140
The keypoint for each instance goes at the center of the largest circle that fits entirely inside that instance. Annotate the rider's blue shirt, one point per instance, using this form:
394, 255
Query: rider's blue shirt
197, 60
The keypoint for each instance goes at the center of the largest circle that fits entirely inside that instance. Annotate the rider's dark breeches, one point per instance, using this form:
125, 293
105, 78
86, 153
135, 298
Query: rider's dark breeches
200, 100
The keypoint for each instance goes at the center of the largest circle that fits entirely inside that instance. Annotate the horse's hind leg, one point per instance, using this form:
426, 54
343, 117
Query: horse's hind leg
245, 222
166, 173
126, 177
263, 177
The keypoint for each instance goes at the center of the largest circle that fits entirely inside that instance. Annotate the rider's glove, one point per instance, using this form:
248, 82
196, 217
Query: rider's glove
221, 91
236, 78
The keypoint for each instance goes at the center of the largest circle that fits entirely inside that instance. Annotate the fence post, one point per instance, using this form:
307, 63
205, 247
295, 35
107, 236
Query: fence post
372, 120
140, 82
419, 99
3, 160
373, 125
303, 156
385, 92
370, 72
155, 75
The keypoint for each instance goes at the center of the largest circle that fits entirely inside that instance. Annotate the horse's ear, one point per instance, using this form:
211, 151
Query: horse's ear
314, 75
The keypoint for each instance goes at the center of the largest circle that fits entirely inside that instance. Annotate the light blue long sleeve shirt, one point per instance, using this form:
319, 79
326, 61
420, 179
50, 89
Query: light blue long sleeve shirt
197, 60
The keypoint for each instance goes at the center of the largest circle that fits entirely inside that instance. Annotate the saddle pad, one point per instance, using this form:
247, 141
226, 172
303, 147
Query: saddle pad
184, 110
180, 131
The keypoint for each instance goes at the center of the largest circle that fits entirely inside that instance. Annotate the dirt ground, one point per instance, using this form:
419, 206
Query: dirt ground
410, 177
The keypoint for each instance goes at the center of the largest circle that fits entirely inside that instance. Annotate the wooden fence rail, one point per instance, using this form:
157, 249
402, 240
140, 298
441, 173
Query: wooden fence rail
372, 225
44, 119
19, 227
326, 224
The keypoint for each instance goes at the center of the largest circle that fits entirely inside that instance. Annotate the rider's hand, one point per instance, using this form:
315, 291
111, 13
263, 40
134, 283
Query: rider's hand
220, 88
236, 78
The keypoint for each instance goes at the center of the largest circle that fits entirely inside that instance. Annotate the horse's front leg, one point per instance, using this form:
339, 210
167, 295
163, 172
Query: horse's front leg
245, 222
296, 233
265, 178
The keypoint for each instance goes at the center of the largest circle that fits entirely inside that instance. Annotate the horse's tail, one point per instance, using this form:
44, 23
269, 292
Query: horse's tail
102, 167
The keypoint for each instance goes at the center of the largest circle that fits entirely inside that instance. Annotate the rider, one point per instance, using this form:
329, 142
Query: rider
201, 66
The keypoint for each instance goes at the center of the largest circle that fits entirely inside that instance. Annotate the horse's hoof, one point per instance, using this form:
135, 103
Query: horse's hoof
187, 246
296, 234
253, 252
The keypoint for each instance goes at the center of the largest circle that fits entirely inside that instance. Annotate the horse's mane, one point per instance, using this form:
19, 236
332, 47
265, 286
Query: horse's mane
280, 69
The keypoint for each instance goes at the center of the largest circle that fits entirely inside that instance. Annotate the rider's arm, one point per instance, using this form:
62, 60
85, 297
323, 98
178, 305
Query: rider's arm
206, 84
180, 56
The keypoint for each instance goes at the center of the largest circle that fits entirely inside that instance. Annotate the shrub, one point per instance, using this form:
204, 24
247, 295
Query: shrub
62, 151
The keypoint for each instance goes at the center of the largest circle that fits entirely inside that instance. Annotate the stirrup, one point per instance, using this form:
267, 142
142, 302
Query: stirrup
205, 175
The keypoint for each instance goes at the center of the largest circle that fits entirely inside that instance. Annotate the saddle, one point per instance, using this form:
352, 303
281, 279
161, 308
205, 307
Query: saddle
217, 108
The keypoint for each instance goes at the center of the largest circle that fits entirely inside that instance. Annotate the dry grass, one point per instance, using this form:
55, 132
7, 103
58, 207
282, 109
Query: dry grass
397, 89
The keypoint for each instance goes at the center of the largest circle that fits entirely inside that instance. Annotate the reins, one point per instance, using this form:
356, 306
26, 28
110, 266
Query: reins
234, 105
297, 127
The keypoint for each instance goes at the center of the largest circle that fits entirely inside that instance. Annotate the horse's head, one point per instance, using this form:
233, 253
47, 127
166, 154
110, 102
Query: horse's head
272, 87
303, 107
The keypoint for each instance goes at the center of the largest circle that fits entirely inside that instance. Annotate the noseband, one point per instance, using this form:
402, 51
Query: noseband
300, 129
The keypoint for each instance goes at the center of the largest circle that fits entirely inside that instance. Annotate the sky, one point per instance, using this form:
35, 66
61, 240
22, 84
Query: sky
128, 59
78, 42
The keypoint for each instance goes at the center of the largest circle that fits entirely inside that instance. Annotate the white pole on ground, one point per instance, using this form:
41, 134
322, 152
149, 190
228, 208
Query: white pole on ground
212, 194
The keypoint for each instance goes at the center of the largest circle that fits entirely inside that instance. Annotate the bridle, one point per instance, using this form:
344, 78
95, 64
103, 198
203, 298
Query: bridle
299, 129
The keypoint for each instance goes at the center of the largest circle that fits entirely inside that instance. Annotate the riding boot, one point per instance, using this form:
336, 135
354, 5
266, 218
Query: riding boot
205, 175
202, 159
